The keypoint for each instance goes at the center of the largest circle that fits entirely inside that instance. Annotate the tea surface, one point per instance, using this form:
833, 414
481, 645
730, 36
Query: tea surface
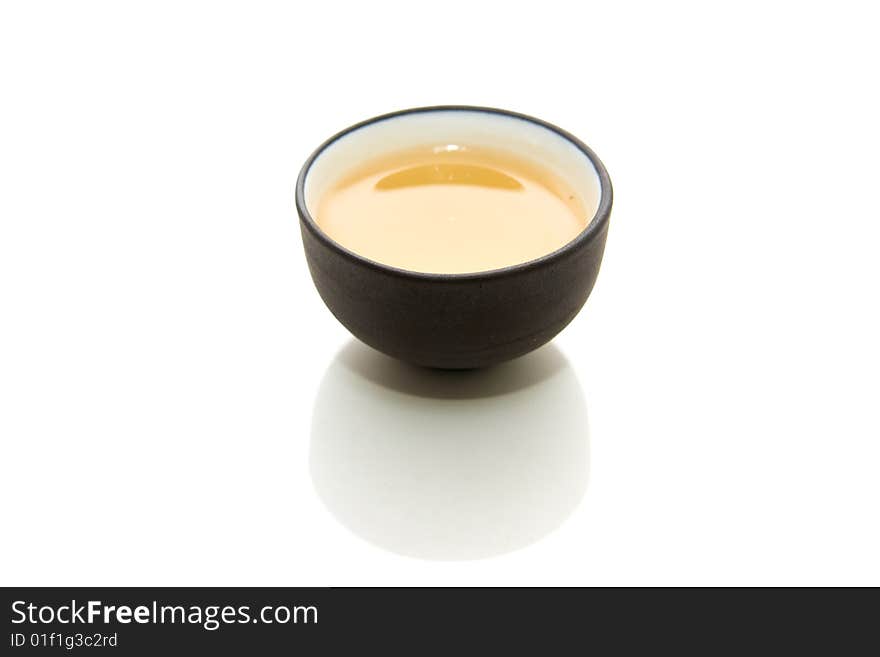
451, 209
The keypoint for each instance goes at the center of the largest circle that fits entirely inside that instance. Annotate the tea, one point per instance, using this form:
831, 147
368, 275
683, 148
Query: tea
451, 209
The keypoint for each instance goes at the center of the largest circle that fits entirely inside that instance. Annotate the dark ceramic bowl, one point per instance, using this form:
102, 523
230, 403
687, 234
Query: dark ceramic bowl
456, 321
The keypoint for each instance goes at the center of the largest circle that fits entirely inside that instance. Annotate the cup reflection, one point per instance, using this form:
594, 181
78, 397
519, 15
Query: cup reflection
449, 465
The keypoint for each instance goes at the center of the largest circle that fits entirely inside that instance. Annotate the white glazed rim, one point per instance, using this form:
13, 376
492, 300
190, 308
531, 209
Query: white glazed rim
526, 136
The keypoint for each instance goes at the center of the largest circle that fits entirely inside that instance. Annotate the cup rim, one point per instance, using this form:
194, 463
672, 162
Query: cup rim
593, 227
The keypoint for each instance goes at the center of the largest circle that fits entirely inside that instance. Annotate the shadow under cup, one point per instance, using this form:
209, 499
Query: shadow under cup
450, 465
456, 321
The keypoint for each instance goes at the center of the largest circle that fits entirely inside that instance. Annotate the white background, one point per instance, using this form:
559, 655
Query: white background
178, 407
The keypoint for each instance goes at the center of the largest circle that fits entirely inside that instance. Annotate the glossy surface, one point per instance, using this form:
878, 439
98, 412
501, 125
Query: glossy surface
171, 387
